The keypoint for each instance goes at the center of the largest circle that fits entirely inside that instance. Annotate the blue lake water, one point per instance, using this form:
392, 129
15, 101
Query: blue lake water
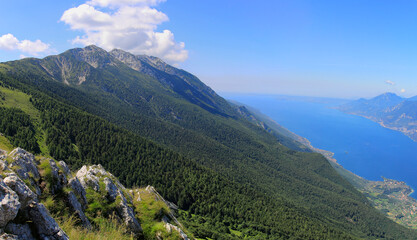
360, 145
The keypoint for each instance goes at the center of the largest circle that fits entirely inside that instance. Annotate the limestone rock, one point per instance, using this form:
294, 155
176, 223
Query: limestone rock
45, 225
4, 164
112, 190
9, 204
25, 163
65, 168
88, 178
79, 191
128, 216
124, 211
25, 166
61, 179
169, 227
6, 236
23, 191
78, 209
22, 231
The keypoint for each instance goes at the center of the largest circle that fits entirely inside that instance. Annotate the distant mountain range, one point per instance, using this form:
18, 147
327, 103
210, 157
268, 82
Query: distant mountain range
389, 110
233, 175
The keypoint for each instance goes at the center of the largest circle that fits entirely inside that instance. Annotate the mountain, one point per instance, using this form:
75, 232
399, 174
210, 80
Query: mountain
150, 123
412, 98
388, 109
39, 196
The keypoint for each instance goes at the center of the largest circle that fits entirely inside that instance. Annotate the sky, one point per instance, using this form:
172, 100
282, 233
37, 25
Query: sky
326, 48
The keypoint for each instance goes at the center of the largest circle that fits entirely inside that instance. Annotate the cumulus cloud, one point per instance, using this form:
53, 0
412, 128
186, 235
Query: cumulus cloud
10, 42
390, 82
126, 24
107, 3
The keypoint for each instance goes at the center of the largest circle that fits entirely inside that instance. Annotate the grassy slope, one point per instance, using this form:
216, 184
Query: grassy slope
13, 98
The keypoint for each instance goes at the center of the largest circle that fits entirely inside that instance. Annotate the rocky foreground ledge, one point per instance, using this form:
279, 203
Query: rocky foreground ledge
24, 179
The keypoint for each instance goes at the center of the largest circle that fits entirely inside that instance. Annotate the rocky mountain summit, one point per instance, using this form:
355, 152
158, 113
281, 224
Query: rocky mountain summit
28, 183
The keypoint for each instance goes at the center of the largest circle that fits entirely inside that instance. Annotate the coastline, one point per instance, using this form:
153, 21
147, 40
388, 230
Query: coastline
391, 197
402, 130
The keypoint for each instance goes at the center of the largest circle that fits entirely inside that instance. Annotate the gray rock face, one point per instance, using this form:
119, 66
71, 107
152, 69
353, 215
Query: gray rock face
65, 168
17, 185
112, 190
6, 236
78, 209
22, 231
25, 162
25, 166
9, 204
128, 216
45, 225
61, 179
4, 164
90, 177
169, 227
79, 191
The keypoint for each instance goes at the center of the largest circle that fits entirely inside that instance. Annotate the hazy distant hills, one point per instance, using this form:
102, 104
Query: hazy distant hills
150, 123
389, 110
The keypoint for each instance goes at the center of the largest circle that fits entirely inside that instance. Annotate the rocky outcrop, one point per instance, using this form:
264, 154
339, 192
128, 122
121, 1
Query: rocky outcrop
78, 209
75, 185
9, 204
92, 176
21, 215
46, 226
20, 231
24, 180
26, 195
25, 165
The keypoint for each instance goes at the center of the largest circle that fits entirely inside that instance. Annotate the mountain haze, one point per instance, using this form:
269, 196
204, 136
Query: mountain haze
389, 110
150, 123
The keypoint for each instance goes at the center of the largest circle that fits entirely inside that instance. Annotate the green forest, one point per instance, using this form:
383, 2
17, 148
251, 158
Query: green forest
230, 178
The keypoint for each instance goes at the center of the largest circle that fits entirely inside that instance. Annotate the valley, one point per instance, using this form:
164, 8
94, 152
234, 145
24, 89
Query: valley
149, 123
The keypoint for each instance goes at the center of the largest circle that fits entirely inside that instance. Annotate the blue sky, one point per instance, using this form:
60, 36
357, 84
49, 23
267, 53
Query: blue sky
326, 48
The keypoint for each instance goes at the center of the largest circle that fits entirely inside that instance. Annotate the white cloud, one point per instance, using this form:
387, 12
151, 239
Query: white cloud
126, 24
390, 82
10, 42
403, 90
107, 3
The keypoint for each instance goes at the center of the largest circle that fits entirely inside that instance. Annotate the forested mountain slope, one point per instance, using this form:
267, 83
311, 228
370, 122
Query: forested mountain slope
231, 177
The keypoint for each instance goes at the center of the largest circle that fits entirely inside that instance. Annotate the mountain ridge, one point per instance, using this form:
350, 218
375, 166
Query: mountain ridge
223, 170
389, 110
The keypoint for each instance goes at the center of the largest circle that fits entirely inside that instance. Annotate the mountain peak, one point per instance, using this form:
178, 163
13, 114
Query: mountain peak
389, 94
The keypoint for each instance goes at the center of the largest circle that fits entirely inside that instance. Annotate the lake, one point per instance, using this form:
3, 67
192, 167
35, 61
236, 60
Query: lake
360, 145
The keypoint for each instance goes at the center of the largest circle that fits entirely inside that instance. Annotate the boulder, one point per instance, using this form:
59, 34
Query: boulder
61, 179
46, 226
23, 191
79, 191
4, 164
78, 209
22, 231
9, 204
24, 164
111, 189
88, 178
6, 236
128, 215
65, 168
